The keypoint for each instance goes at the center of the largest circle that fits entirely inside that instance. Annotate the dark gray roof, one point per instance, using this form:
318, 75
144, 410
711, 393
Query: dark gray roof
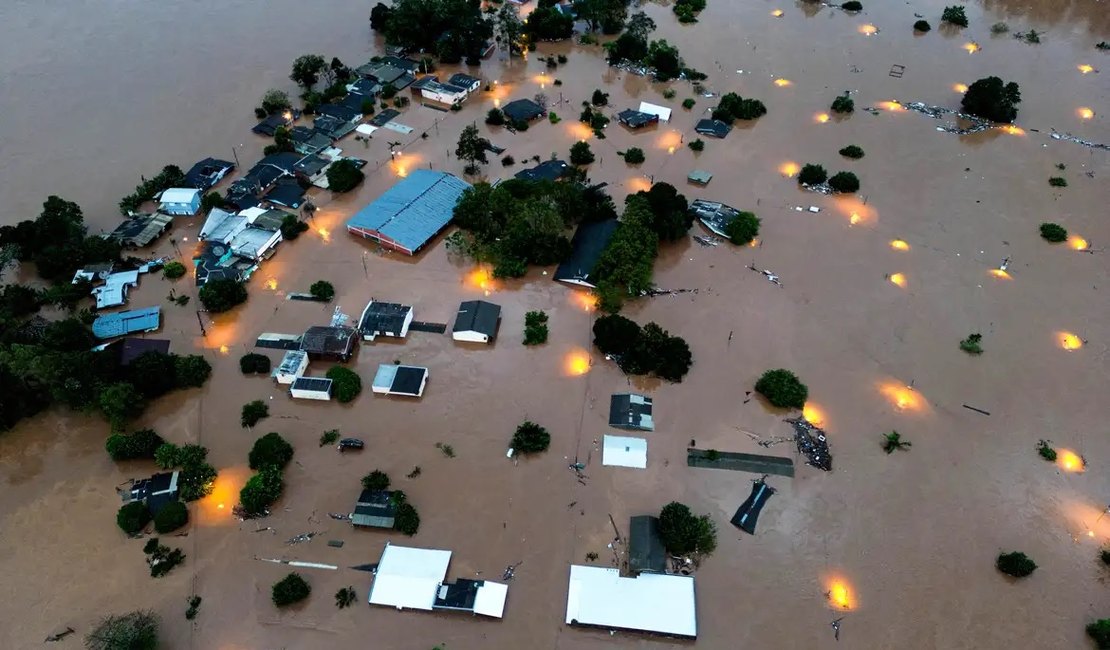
548, 170
524, 110
322, 384
287, 192
383, 318
714, 128
156, 491
423, 82
341, 113
141, 229
333, 127
478, 316
381, 119
309, 141
631, 411
375, 508
207, 173
311, 165
270, 220
715, 216
367, 87
334, 341
284, 160
636, 119
262, 176
270, 125
460, 595
132, 348
589, 241
213, 262
645, 547
463, 80
408, 380
354, 101
400, 62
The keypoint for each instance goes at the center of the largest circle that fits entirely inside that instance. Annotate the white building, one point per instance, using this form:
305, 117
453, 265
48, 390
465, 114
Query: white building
651, 602
444, 93
413, 578
113, 292
384, 319
318, 388
392, 379
663, 112
180, 201
292, 366
623, 451
476, 321
236, 231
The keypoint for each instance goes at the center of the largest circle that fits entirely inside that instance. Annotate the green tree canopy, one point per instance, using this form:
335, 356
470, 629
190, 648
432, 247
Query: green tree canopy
472, 148
136, 630
322, 290
271, 450
254, 363
345, 383
343, 176
222, 294
530, 438
992, 99
133, 517
172, 516
139, 444
262, 490
743, 229
291, 589
782, 389
307, 69
377, 481
684, 533
121, 402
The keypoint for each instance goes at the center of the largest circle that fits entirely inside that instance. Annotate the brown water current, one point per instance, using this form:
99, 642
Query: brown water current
93, 95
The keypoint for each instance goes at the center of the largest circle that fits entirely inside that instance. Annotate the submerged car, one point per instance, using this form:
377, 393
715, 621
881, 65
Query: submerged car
350, 443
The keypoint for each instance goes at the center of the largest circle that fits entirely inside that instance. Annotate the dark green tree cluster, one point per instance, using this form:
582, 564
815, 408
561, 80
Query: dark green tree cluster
271, 450
472, 148
222, 294
580, 153
133, 517
1053, 232
954, 15
57, 242
670, 212
197, 475
406, 519
606, 15
376, 481
530, 438
173, 270
633, 155
812, 174
322, 290
292, 227
137, 630
1099, 632
291, 589
172, 516
594, 119
345, 383
844, 182
843, 104
161, 558
307, 69
1015, 564
535, 328
274, 101
743, 229
139, 444
170, 176
684, 533
154, 374
851, 151
625, 266
253, 363
262, 490
688, 10
452, 29
641, 351
344, 176
992, 99
253, 412
633, 46
782, 389
733, 107
546, 23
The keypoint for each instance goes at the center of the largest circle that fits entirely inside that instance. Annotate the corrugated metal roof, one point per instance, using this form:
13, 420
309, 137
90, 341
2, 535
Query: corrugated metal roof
126, 322
414, 210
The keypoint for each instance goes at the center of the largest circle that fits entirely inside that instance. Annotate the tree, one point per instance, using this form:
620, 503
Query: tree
509, 26
697, 145
290, 589
732, 107
322, 290
627, 47
406, 520
812, 174
639, 25
292, 227
276, 101
843, 104
615, 335
782, 389
152, 374
1099, 631
253, 412
954, 15
376, 481
133, 517
136, 630
922, 26
673, 358
191, 371
495, 117
345, 597
1058, 181
992, 99
852, 5
580, 153
633, 155
844, 182
548, 24
530, 438
345, 383
172, 516
664, 57
379, 17
535, 328
222, 294
687, 10
1015, 564
851, 151
599, 98
120, 403
472, 148
307, 69
971, 344
173, 270
671, 217
743, 229
262, 490
254, 363
271, 450
343, 176
893, 442
608, 15
1053, 232
139, 444
683, 533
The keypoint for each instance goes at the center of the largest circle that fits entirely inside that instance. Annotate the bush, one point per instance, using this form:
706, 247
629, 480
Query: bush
254, 364
782, 389
1045, 451
172, 516
892, 442
599, 98
697, 145
852, 151
553, 118
684, 533
971, 344
121, 402
992, 99
734, 107
1015, 564
271, 450
580, 154
530, 438
688, 103
495, 117
535, 328
852, 5
345, 597
344, 176
173, 270
669, 93
1000, 28
160, 558
261, 490
345, 383
844, 182
137, 630
275, 101
922, 26
133, 517
1053, 232
520, 125
377, 481
1104, 555
406, 520
194, 607
954, 15
641, 351
743, 229
140, 444
1057, 181
812, 175
322, 290
843, 104
253, 412
290, 589
634, 155
292, 227
191, 371
222, 294
1099, 631
508, 161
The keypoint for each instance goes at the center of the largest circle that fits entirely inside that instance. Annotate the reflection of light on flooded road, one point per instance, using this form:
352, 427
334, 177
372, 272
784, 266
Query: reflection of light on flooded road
1085, 68
1077, 242
782, 83
899, 245
902, 397
898, 279
1086, 113
215, 509
813, 414
777, 13
972, 48
868, 30
583, 300
1069, 341
271, 284
224, 349
481, 278
960, 88
789, 169
579, 131
840, 593
1070, 461
1013, 130
893, 106
669, 140
821, 118
639, 184
324, 234
1000, 274
577, 362
854, 219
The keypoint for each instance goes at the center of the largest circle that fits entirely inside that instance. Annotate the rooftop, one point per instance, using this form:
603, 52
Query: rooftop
714, 128
636, 119
221, 226
645, 547
713, 215
623, 451
141, 229
291, 363
478, 316
114, 290
394, 379
409, 577
286, 192
132, 348
207, 173
463, 80
630, 411
375, 509
411, 212
524, 110
589, 241
318, 384
126, 322
328, 340
548, 170
384, 318
651, 602
662, 112
179, 195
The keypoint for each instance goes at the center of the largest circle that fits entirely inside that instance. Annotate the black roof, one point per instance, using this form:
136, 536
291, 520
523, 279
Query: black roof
714, 128
423, 82
322, 339
478, 316
548, 170
312, 383
210, 263
306, 140
262, 176
270, 125
747, 515
353, 101
626, 411
311, 165
408, 380
284, 160
524, 110
399, 62
131, 348
207, 173
636, 119
460, 595
589, 241
645, 547
381, 317
341, 113
155, 491
287, 192
375, 508
333, 127
381, 119
463, 80
367, 87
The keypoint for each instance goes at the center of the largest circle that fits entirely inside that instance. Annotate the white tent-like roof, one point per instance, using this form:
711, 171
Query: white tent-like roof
409, 577
663, 112
490, 600
651, 602
622, 451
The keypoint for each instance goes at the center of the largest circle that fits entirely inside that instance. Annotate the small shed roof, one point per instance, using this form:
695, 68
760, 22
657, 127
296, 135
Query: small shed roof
222, 226
375, 508
316, 384
409, 577
623, 451
287, 192
207, 173
179, 195
414, 210
114, 290
548, 170
400, 380
382, 317
662, 112
636, 119
714, 215
141, 229
700, 177
463, 80
478, 316
290, 363
714, 128
631, 411
650, 602
645, 547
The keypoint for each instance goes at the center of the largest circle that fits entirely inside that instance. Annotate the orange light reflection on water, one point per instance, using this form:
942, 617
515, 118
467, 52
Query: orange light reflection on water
585, 301
576, 363
821, 118
1085, 68
902, 397
868, 30
899, 245
783, 83
960, 88
1070, 461
1000, 274
669, 140
777, 13
1085, 113
1078, 243
638, 184
893, 106
898, 279
215, 509
1069, 341
814, 414
1013, 130
971, 48
840, 594
481, 278
789, 169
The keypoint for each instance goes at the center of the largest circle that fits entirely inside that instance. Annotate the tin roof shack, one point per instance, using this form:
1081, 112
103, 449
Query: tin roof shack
713, 128
317, 388
413, 578
384, 319
335, 342
650, 602
714, 216
523, 110
623, 451
635, 119
631, 411
589, 241
180, 201
645, 546
394, 379
374, 509
291, 368
141, 229
548, 170
207, 173
122, 323
409, 214
156, 491
476, 322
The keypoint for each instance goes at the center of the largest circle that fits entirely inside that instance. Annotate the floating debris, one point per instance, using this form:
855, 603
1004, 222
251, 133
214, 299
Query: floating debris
300, 539
707, 241
812, 443
1071, 138
339, 517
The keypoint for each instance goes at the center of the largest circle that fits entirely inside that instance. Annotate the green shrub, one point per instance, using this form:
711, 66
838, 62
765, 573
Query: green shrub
852, 151
697, 145
580, 153
812, 175
508, 161
599, 98
160, 558
377, 481
271, 450
733, 107
133, 517
1104, 555
140, 444
406, 520
553, 118
345, 383
222, 294
1057, 181
254, 364
843, 104
892, 442
343, 176
345, 597
844, 182
683, 533
292, 227
322, 290
262, 490
173, 270
852, 5
1015, 564
743, 229
329, 437
290, 589
1053, 232
1000, 28
194, 607
688, 103
669, 93
922, 26
535, 328
1099, 631
782, 389
253, 412
530, 438
971, 344
191, 371
172, 516
954, 15
1045, 451
992, 99
495, 117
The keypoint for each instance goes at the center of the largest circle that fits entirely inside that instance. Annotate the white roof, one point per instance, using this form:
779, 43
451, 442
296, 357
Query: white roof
114, 290
253, 213
663, 112
222, 226
490, 599
179, 195
253, 242
409, 577
651, 602
365, 129
622, 451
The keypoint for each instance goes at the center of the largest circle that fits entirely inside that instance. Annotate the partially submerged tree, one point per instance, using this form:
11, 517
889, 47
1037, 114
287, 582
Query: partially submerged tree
377, 481
633, 155
954, 15
743, 229
345, 383
782, 389
136, 630
406, 520
173, 270
271, 450
1045, 451
139, 444
580, 153
222, 294
291, 589
535, 328
262, 490
344, 176
121, 402
495, 117
844, 182
971, 344
992, 99
851, 151
1053, 232
322, 290
253, 363
133, 517
509, 26
922, 26
892, 442
530, 438
1099, 631
345, 597
472, 148
684, 533
843, 104
253, 412
307, 69
275, 101
812, 174
733, 107
1015, 564
172, 516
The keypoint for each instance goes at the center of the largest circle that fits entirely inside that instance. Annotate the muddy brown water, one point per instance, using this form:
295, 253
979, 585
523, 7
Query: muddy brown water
93, 96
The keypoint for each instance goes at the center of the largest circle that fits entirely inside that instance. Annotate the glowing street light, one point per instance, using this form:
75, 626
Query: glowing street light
1085, 113
1070, 461
782, 83
868, 30
777, 13
960, 88
1085, 68
789, 169
899, 280
972, 47
1069, 341
1077, 242
899, 245
821, 118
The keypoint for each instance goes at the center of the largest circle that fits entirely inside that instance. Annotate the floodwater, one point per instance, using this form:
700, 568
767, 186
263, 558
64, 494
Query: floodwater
95, 94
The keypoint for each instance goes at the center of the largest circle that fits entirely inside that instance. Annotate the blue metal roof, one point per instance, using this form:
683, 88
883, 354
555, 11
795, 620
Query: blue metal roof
414, 210
126, 322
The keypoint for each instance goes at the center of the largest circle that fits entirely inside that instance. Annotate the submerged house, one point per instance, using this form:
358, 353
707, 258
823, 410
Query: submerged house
330, 341
476, 321
414, 578
317, 388
661, 112
184, 201
216, 261
645, 546
156, 491
243, 238
140, 230
635, 119
630, 411
410, 213
650, 602
384, 319
471, 84
714, 216
113, 292
308, 141
375, 509
272, 123
523, 110
548, 170
624, 451
395, 379
207, 173
445, 93
589, 242
713, 128
291, 368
